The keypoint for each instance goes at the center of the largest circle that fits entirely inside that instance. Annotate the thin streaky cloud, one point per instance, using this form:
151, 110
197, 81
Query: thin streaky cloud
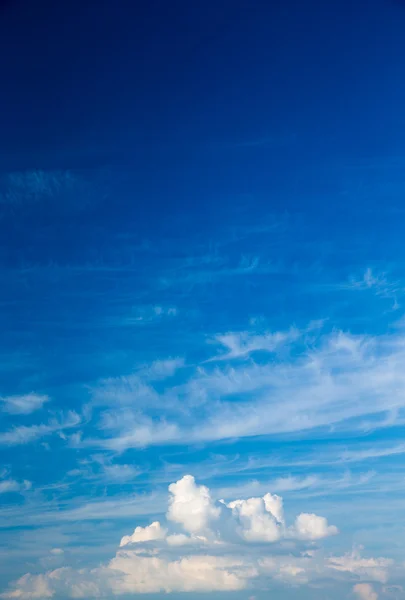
23, 405
340, 381
25, 434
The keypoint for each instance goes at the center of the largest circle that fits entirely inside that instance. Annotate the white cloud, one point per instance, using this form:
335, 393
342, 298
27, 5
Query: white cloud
180, 539
365, 591
191, 505
152, 532
274, 505
257, 522
312, 527
23, 405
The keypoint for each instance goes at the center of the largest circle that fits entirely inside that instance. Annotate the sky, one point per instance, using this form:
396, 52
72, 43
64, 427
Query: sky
202, 296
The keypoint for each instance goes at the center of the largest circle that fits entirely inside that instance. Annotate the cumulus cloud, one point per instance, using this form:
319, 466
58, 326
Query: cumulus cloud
274, 505
191, 505
257, 521
210, 546
365, 591
312, 527
152, 532
23, 405
253, 519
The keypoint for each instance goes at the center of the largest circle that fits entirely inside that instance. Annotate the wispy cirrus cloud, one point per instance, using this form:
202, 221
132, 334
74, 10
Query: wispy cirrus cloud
11, 485
101, 467
23, 405
146, 315
340, 381
307, 485
24, 434
137, 386
215, 269
241, 344
378, 283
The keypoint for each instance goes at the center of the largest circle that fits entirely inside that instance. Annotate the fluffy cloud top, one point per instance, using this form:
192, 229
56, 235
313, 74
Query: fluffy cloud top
257, 523
311, 527
153, 532
191, 506
204, 520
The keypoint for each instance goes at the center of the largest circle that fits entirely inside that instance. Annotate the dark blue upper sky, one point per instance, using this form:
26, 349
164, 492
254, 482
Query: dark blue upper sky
91, 79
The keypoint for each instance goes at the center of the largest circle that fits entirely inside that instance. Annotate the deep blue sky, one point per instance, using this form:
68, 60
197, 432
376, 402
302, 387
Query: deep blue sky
202, 274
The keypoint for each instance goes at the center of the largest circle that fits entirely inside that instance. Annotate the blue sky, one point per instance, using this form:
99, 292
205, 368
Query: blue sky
202, 301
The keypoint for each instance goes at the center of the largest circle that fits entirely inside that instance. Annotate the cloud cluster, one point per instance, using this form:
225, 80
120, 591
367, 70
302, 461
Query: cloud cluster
208, 539
204, 520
